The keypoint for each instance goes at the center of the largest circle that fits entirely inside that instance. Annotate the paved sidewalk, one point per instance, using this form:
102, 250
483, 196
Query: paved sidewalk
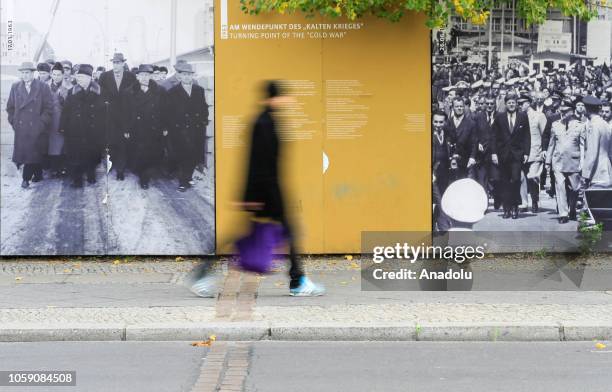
83, 300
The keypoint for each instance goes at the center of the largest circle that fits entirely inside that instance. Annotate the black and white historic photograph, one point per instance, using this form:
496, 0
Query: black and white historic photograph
521, 115
107, 131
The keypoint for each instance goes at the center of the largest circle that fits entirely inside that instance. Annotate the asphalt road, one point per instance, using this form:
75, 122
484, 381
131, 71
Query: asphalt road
326, 366
423, 367
108, 366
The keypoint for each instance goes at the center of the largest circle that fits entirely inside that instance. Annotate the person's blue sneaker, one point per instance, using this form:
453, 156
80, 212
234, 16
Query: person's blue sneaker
205, 287
307, 289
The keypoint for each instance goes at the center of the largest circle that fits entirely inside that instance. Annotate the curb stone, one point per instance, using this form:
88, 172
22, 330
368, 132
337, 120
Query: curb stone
244, 331
582, 331
394, 332
490, 332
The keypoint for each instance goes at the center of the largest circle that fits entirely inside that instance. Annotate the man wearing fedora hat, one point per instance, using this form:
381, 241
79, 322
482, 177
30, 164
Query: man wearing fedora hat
186, 116
29, 108
82, 123
143, 106
113, 83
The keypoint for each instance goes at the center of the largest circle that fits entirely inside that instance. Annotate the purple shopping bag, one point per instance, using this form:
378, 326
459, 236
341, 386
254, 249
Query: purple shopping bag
256, 249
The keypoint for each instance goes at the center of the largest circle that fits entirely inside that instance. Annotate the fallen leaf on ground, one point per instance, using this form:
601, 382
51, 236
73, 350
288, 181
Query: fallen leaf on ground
205, 343
349, 257
116, 262
279, 284
355, 265
600, 346
354, 278
18, 278
343, 283
178, 259
66, 271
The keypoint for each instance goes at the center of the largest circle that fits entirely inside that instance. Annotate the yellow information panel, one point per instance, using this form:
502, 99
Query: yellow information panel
356, 142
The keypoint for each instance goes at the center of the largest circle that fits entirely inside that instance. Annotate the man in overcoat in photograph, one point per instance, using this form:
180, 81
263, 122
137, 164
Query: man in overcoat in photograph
30, 109
186, 118
82, 123
113, 83
143, 106
510, 146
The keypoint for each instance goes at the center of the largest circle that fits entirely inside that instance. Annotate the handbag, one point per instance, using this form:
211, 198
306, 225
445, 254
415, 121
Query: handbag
257, 248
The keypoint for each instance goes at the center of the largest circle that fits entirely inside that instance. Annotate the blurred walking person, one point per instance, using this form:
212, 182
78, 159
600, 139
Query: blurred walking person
263, 196
30, 110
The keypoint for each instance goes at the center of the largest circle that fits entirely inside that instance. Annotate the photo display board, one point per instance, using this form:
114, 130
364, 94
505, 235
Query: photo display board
356, 141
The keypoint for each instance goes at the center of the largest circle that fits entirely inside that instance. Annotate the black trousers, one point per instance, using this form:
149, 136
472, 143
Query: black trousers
32, 170
296, 270
510, 183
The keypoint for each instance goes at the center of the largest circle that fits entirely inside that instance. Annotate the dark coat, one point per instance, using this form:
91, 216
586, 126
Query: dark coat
82, 121
30, 115
186, 118
112, 95
144, 122
511, 145
262, 181
464, 139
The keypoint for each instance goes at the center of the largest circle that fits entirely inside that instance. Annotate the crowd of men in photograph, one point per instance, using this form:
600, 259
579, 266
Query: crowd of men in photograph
515, 129
67, 117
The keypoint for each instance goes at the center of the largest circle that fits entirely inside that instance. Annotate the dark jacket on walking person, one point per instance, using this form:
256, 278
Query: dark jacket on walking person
262, 181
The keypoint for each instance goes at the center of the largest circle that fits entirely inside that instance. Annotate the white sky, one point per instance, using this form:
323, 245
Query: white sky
138, 28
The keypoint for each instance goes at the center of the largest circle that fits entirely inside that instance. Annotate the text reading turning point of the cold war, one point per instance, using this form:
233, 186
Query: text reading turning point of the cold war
291, 30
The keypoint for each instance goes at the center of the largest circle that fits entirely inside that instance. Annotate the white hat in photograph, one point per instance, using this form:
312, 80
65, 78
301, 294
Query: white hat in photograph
465, 201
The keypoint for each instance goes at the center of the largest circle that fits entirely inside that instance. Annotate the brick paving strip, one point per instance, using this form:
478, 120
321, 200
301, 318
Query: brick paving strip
237, 297
225, 368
